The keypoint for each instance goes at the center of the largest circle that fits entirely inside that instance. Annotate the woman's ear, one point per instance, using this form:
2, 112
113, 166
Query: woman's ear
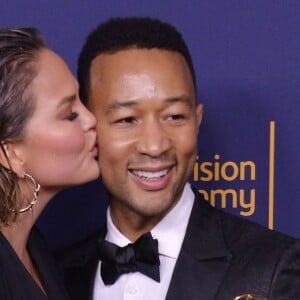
11, 159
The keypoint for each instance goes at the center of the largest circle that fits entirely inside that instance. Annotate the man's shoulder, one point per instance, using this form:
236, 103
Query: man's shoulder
242, 233
266, 258
238, 229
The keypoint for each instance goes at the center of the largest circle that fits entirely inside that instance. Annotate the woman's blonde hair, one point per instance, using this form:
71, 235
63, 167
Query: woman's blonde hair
19, 48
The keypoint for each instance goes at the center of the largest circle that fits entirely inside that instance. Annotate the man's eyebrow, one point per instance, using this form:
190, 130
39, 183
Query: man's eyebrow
67, 99
180, 99
119, 104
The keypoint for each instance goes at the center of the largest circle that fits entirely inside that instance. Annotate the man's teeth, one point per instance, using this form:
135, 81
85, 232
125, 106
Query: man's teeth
150, 175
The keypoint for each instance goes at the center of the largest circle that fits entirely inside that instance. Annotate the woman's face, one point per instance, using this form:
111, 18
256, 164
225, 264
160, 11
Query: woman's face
59, 146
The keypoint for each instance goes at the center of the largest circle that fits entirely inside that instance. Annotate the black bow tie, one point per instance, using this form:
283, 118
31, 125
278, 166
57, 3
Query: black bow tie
141, 256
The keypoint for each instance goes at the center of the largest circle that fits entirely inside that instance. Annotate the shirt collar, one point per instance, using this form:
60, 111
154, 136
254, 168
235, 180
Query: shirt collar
170, 231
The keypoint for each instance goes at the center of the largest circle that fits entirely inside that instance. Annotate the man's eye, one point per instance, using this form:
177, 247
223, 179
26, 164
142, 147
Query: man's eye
176, 117
126, 120
72, 116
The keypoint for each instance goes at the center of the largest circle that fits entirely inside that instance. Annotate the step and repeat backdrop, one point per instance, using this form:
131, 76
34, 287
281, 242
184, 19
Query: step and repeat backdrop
247, 60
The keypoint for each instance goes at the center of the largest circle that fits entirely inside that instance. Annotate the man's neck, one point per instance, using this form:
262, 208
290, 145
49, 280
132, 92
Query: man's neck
132, 225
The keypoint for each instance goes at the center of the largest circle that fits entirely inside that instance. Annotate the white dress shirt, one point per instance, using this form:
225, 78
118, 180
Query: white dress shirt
170, 232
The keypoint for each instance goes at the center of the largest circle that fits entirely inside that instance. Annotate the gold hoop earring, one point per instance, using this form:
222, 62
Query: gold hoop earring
35, 193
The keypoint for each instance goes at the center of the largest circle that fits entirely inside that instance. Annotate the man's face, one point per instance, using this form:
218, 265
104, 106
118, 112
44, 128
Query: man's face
148, 123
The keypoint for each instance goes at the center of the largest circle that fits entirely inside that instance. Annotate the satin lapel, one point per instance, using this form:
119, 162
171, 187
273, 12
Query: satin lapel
85, 276
93, 264
81, 266
204, 257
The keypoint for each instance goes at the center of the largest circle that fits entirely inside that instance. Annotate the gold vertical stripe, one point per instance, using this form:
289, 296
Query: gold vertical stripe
271, 174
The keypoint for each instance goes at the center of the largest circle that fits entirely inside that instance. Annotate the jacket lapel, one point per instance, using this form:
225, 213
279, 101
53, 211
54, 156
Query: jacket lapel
204, 257
80, 266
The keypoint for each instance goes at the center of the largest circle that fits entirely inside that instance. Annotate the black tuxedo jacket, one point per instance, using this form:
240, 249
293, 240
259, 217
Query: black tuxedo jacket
222, 256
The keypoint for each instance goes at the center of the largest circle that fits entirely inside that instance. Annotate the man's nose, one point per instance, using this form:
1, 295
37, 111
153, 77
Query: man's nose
88, 119
154, 139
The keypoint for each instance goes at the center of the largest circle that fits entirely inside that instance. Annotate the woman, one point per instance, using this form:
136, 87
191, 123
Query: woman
48, 142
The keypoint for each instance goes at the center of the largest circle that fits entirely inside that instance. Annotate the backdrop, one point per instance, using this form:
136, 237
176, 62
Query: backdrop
247, 60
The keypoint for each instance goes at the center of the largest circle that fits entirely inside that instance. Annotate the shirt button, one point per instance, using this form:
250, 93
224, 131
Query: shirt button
131, 289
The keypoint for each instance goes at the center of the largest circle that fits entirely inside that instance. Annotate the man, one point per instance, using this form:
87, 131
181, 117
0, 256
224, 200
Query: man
137, 76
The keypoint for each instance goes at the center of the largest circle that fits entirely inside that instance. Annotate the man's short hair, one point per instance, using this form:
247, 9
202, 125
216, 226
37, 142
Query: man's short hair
118, 34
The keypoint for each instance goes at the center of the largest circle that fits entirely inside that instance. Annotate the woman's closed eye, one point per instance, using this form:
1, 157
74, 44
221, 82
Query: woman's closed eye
72, 116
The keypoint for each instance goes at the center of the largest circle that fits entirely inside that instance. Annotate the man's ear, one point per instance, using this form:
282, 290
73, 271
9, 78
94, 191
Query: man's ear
199, 113
11, 159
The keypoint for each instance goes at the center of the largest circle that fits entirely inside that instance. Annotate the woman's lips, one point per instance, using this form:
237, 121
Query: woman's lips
94, 150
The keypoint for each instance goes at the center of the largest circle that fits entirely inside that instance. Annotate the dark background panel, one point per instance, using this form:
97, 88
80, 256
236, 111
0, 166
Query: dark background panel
247, 60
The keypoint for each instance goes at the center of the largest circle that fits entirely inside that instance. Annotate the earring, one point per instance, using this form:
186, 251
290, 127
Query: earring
35, 193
